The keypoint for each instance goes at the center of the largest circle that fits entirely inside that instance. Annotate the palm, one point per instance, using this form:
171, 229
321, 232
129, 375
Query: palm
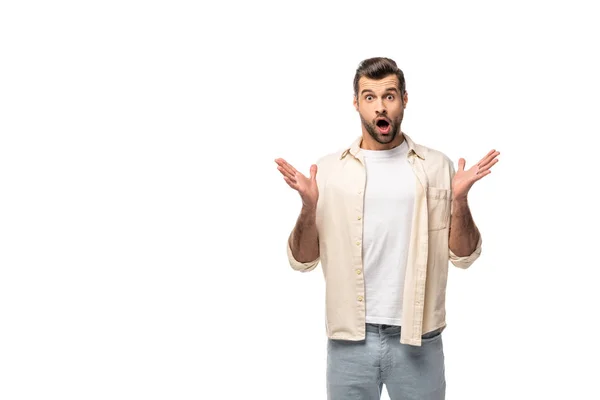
305, 186
464, 179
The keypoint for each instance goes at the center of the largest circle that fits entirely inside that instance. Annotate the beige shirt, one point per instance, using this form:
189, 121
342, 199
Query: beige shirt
341, 179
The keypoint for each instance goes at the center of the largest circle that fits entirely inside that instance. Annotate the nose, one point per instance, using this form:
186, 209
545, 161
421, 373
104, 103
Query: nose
380, 107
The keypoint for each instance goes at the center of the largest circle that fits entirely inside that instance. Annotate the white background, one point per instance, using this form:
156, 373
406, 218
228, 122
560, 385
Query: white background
143, 222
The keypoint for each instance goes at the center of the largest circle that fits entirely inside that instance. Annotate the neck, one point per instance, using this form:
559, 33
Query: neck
368, 143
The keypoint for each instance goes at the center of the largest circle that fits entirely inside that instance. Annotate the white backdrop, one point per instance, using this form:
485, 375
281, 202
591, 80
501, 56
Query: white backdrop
143, 222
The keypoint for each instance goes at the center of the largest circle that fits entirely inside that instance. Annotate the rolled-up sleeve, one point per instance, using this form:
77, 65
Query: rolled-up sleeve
300, 266
466, 261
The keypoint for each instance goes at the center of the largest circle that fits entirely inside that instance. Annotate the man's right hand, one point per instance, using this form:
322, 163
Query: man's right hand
306, 187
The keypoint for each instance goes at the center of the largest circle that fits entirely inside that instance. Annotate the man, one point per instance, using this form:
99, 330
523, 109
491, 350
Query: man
384, 217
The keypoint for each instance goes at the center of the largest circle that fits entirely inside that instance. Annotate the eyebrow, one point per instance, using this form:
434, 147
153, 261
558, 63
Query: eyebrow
390, 89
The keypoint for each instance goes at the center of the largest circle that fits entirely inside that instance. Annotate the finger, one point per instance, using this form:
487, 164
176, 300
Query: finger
488, 157
481, 175
287, 174
289, 169
485, 158
286, 165
488, 165
283, 164
313, 172
291, 184
461, 164
487, 162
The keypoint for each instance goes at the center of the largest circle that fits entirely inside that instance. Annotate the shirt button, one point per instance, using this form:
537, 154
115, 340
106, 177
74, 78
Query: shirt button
360, 192
359, 217
358, 242
358, 272
360, 298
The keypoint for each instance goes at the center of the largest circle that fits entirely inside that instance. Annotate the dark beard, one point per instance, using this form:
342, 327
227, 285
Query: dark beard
379, 138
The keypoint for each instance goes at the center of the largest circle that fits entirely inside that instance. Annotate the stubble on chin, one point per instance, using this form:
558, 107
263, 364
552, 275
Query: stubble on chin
379, 138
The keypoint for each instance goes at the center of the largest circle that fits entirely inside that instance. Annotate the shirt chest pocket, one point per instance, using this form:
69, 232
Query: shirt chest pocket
438, 207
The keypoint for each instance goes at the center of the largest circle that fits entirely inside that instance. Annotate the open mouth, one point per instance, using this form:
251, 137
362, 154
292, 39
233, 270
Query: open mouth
383, 126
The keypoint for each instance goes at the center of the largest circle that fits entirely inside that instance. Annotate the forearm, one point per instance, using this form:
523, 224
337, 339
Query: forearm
464, 234
304, 240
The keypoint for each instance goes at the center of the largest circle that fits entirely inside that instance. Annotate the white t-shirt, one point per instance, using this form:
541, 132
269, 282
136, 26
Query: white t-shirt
387, 219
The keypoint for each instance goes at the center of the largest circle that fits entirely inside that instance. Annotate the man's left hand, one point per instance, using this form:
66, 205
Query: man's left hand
464, 179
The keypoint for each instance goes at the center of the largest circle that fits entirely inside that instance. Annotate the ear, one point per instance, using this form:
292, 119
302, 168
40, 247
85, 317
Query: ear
405, 98
355, 102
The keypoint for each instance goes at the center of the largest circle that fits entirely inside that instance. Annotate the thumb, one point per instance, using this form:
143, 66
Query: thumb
461, 164
313, 172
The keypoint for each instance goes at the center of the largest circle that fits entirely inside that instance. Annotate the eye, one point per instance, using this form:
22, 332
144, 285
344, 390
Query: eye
390, 97
369, 98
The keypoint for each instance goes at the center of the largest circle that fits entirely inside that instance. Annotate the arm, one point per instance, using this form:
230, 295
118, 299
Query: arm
304, 239
303, 243
464, 242
464, 234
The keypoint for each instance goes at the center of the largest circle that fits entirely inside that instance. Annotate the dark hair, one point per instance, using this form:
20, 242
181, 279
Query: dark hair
379, 68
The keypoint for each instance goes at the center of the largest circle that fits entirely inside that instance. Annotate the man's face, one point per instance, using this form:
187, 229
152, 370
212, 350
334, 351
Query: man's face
381, 107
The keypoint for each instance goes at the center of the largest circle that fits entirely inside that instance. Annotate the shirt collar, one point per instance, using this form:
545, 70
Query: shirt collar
413, 148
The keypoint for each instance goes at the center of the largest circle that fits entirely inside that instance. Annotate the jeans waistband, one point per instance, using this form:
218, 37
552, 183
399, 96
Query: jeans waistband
389, 329
395, 330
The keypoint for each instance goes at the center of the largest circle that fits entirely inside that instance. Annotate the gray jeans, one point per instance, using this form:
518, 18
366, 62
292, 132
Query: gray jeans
357, 370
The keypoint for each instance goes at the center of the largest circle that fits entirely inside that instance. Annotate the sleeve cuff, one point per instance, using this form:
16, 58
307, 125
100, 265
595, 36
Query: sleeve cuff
300, 266
466, 261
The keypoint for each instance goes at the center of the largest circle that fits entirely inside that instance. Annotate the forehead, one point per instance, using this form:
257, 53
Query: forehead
377, 85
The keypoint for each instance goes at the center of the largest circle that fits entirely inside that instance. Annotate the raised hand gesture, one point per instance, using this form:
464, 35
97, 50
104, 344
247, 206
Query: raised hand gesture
464, 179
306, 187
